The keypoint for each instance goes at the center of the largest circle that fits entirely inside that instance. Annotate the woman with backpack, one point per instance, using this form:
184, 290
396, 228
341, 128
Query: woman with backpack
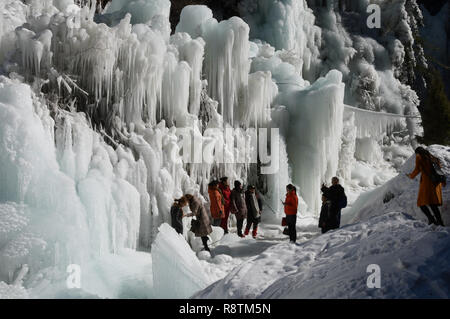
430, 193
201, 227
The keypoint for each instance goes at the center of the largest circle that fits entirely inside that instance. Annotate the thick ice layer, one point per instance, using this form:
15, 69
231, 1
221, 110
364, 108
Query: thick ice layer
142, 11
314, 136
63, 204
348, 146
286, 25
177, 272
374, 124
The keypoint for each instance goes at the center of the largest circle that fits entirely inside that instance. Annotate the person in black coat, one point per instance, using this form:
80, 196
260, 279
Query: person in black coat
238, 206
324, 218
254, 209
337, 200
176, 214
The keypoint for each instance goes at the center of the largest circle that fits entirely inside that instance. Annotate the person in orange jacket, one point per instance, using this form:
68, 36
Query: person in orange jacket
226, 193
216, 205
429, 193
290, 209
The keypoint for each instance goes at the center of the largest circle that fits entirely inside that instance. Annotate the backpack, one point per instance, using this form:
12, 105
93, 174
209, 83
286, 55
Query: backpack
437, 176
343, 201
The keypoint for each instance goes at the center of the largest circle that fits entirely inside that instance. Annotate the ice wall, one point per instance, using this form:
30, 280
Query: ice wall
348, 146
287, 25
141, 11
63, 203
374, 124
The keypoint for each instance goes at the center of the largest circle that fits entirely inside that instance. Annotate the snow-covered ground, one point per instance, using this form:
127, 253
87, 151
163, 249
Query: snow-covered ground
386, 230
414, 259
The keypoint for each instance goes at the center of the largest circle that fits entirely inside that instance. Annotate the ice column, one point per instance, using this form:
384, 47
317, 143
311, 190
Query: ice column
314, 136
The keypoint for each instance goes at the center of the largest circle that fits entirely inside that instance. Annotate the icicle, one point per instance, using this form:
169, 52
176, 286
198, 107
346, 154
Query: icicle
261, 92
375, 124
226, 63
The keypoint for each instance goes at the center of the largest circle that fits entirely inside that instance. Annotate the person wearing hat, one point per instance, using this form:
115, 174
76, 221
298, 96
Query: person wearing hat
254, 208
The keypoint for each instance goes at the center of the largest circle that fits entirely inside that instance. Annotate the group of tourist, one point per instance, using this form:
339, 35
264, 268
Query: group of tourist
223, 202
247, 204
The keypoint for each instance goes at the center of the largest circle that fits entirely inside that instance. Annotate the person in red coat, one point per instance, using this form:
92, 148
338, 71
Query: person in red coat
216, 205
290, 209
226, 195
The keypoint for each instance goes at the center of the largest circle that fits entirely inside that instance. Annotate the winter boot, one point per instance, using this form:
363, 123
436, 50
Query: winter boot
255, 231
205, 243
437, 216
247, 230
439, 220
427, 213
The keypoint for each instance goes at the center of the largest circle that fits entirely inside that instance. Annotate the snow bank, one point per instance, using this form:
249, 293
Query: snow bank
413, 258
177, 272
127, 274
12, 291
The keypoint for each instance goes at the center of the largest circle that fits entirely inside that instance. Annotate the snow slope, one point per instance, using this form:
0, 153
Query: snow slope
383, 227
414, 259
400, 194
